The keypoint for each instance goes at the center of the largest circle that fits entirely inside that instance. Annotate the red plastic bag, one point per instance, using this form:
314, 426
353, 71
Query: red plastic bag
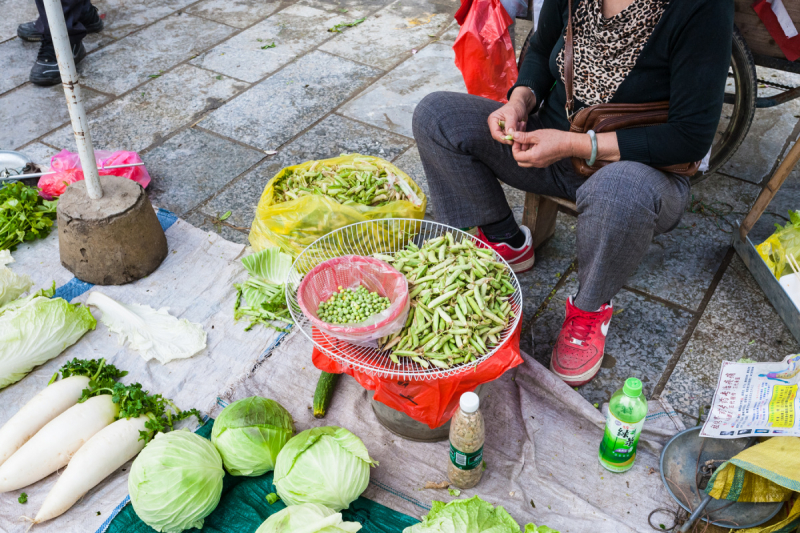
67, 167
433, 401
484, 51
790, 46
350, 272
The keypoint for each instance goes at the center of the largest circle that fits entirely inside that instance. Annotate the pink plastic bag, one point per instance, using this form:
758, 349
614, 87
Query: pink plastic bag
350, 272
67, 167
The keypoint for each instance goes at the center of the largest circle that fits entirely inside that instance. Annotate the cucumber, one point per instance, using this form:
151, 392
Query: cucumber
324, 393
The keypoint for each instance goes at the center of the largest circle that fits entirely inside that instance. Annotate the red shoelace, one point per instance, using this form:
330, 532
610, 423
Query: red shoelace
580, 327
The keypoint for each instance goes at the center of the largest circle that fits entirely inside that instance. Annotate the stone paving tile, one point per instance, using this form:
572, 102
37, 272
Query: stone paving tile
680, 265
353, 9
15, 13
275, 110
206, 223
390, 103
32, 111
126, 63
146, 116
294, 31
194, 165
641, 339
333, 136
738, 322
767, 136
17, 58
121, 17
788, 198
237, 13
450, 35
399, 32
40, 154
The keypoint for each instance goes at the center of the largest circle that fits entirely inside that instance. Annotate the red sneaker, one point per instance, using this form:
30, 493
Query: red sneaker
578, 352
519, 259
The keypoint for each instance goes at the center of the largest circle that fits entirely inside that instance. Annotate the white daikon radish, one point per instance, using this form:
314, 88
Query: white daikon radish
40, 410
55, 444
109, 449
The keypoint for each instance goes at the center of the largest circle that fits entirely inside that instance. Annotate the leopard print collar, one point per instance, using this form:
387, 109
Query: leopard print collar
606, 49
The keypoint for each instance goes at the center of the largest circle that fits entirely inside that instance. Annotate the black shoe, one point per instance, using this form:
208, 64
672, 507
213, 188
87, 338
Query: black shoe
28, 32
91, 21
45, 70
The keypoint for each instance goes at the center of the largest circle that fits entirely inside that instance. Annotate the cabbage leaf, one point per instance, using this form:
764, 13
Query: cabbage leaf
270, 265
35, 329
326, 465
307, 518
154, 334
12, 285
472, 515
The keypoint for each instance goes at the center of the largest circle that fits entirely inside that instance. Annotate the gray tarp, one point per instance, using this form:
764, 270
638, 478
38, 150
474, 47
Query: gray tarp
542, 436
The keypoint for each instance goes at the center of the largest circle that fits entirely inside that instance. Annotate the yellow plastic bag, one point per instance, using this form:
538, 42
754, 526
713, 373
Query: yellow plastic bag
786, 240
295, 224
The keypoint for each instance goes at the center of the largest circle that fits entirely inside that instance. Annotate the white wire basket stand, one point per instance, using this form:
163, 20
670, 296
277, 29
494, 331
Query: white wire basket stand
387, 237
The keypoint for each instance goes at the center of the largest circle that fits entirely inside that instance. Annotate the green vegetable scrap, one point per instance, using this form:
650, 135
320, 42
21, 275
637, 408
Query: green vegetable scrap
359, 182
454, 492
308, 518
466, 516
272, 498
270, 45
338, 27
23, 498
261, 298
349, 306
460, 302
24, 215
12, 285
134, 402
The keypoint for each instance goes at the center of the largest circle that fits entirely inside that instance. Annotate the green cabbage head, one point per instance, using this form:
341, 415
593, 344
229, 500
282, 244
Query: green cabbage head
176, 481
249, 433
326, 465
308, 518
473, 515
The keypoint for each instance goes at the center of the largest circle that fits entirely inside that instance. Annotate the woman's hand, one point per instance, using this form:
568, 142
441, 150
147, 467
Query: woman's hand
541, 148
514, 115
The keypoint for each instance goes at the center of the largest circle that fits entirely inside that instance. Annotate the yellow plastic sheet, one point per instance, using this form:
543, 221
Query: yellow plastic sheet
786, 240
295, 224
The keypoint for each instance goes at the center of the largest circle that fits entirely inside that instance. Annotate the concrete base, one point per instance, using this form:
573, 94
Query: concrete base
111, 241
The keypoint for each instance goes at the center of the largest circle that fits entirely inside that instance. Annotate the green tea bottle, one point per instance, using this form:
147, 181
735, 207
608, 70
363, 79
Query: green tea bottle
627, 410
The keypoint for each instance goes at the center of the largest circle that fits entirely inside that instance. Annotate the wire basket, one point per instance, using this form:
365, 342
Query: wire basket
385, 236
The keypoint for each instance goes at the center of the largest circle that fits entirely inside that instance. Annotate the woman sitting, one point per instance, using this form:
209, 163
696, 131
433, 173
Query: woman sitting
625, 51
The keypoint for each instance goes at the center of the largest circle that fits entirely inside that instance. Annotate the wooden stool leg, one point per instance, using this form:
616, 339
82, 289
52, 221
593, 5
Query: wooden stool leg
539, 216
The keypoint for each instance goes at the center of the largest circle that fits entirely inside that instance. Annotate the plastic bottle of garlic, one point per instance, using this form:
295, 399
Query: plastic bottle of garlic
467, 435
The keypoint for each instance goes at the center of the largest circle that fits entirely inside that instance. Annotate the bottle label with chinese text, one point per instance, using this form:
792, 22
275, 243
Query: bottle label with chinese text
466, 461
618, 449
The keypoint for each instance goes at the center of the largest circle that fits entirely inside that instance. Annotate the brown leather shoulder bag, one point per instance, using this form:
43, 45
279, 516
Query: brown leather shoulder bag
603, 118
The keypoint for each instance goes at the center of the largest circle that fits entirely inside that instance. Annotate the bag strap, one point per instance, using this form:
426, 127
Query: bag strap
568, 63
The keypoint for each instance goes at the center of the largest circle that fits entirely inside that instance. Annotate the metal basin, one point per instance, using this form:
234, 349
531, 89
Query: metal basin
678, 467
406, 427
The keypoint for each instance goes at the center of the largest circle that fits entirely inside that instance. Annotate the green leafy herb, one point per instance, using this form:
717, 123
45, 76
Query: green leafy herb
272, 498
101, 375
225, 216
163, 413
24, 215
270, 45
154, 76
338, 27
23, 498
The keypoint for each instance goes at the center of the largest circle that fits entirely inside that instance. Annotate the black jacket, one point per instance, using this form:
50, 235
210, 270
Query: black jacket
685, 61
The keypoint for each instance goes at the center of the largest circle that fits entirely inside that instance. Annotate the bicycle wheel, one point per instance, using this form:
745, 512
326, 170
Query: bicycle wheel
737, 111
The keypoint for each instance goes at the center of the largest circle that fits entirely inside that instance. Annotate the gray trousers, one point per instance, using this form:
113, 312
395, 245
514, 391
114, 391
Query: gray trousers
620, 208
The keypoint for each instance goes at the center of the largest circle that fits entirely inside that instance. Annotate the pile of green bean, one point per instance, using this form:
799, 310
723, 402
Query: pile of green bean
460, 302
360, 182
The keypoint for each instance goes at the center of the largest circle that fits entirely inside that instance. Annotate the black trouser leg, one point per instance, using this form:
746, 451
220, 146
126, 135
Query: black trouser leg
73, 11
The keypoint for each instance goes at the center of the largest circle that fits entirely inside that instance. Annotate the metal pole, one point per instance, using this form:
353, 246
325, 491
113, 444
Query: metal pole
72, 90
